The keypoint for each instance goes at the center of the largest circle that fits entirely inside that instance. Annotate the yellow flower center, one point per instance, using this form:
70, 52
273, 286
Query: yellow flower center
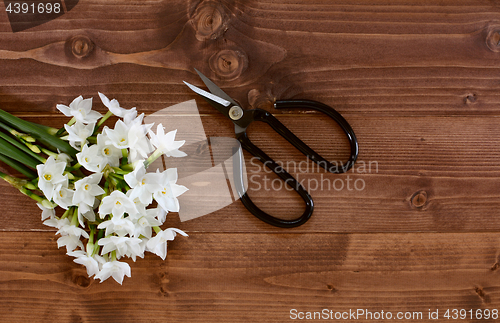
47, 177
87, 187
106, 151
122, 140
143, 181
118, 203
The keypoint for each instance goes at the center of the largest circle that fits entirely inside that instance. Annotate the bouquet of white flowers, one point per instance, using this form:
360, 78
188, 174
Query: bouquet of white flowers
113, 206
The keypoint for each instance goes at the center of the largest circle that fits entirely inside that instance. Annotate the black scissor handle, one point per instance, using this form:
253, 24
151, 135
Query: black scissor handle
284, 175
306, 150
281, 129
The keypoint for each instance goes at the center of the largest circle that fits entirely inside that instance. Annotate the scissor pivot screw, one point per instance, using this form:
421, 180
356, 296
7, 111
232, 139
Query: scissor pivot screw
235, 113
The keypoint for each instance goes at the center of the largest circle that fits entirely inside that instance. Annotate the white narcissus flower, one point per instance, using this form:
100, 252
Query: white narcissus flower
50, 174
70, 241
115, 269
131, 136
114, 107
124, 246
85, 211
46, 212
72, 230
90, 159
140, 146
159, 213
139, 206
62, 157
80, 109
167, 196
78, 133
117, 203
158, 244
63, 196
113, 243
119, 226
135, 249
56, 223
143, 184
144, 224
129, 218
118, 136
87, 189
109, 152
166, 142
91, 263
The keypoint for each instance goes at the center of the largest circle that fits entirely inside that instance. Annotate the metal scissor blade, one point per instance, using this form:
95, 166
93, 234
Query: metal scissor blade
214, 88
211, 98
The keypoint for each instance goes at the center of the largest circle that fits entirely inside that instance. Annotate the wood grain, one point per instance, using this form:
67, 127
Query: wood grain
255, 278
418, 82
445, 157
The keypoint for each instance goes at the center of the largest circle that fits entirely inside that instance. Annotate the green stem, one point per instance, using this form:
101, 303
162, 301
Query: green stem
92, 232
124, 156
49, 152
37, 132
74, 167
157, 229
38, 198
34, 148
90, 244
92, 139
21, 147
20, 136
106, 116
127, 168
154, 156
16, 182
120, 171
67, 213
74, 220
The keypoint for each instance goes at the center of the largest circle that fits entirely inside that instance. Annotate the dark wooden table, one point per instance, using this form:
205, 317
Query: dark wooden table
417, 80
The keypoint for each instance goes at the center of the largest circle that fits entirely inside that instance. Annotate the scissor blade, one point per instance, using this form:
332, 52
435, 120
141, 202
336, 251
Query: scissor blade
209, 96
214, 88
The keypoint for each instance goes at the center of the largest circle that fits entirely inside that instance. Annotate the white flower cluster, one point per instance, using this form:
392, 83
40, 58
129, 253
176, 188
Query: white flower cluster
111, 201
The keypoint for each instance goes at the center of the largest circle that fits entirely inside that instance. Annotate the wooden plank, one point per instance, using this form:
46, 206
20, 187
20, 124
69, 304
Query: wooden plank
413, 175
422, 58
255, 278
416, 79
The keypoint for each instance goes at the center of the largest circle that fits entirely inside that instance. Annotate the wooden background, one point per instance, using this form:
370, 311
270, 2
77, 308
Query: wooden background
418, 81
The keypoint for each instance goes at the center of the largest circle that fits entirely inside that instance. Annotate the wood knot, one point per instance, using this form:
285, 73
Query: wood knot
493, 38
210, 20
470, 98
480, 292
331, 288
81, 46
228, 63
81, 280
418, 199
257, 99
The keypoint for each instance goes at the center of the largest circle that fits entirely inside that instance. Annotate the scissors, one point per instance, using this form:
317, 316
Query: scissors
243, 118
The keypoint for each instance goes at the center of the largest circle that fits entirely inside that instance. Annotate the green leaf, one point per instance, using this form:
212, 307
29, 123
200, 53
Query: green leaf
38, 132
16, 154
19, 167
22, 147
